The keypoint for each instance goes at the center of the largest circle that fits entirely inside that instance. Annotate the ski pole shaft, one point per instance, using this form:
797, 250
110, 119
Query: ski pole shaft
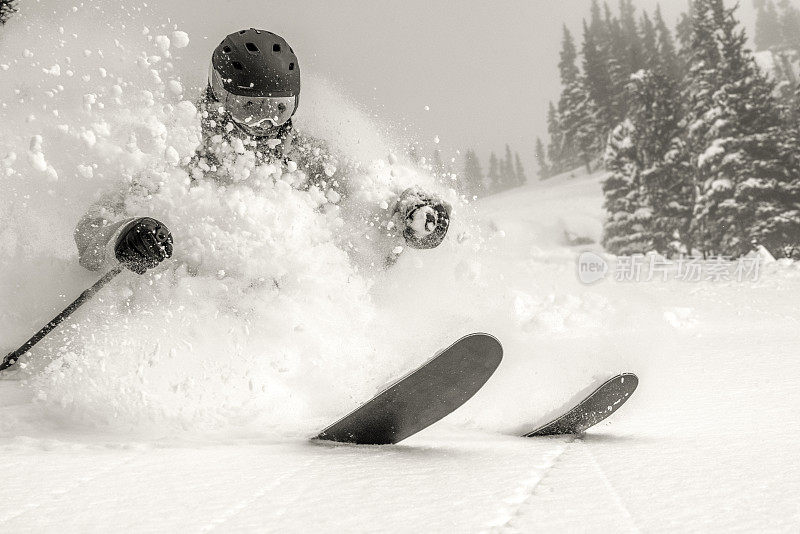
13, 357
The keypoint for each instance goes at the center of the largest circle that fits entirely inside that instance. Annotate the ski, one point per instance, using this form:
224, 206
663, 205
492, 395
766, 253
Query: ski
588, 410
422, 397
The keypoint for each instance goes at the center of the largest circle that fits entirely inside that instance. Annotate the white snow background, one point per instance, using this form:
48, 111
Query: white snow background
182, 402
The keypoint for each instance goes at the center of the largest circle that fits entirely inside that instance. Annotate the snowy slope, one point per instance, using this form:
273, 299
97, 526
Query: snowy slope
186, 399
709, 442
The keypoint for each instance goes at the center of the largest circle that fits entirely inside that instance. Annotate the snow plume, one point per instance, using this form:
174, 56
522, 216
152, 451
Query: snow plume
260, 321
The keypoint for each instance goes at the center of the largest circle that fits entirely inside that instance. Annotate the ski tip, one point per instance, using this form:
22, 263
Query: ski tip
629, 379
487, 345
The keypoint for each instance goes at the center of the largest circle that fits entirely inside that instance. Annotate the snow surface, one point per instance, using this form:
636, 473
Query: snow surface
181, 400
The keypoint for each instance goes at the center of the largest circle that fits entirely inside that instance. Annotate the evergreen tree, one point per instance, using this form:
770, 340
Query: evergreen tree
519, 170
650, 50
566, 66
493, 175
667, 187
7, 8
436, 163
473, 174
575, 112
668, 58
789, 25
541, 157
618, 65
768, 26
625, 230
745, 157
509, 178
684, 35
634, 56
597, 81
556, 139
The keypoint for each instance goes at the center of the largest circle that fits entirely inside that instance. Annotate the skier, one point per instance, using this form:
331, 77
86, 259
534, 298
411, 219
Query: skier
252, 94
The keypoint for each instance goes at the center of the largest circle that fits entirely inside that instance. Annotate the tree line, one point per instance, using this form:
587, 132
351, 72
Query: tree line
702, 148
778, 35
503, 173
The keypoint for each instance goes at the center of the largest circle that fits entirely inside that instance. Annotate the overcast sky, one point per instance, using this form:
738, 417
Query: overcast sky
485, 69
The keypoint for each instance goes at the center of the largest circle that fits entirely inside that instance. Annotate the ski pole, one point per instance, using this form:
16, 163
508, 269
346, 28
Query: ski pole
13, 357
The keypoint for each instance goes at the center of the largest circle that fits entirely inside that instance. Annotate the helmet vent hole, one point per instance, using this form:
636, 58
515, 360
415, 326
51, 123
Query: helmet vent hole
291, 66
227, 49
237, 65
251, 47
276, 47
242, 31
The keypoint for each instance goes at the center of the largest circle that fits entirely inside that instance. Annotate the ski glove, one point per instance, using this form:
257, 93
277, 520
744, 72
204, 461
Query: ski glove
143, 244
426, 218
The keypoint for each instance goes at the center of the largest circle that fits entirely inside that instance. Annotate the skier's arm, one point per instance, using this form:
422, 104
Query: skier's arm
95, 236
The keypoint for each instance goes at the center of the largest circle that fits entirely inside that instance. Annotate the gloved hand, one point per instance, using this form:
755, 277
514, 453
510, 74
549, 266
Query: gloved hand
425, 217
144, 244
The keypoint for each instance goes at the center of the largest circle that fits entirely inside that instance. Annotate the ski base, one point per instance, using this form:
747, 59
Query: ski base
594, 408
422, 397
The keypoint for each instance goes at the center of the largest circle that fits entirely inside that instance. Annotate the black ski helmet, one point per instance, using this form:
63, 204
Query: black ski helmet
257, 63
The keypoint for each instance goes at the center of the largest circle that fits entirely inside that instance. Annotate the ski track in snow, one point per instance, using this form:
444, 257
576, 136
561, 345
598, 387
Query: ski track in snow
587, 451
525, 492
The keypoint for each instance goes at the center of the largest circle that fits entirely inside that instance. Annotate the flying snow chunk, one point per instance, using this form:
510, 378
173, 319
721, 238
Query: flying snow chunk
180, 39
333, 197
175, 87
86, 171
55, 70
427, 108
163, 43
172, 157
436, 139
89, 138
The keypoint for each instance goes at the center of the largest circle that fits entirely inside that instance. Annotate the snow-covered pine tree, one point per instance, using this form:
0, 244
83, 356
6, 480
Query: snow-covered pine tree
596, 78
768, 26
701, 54
684, 35
654, 115
508, 178
7, 8
575, 111
625, 229
668, 56
649, 42
744, 154
790, 25
493, 175
541, 158
473, 174
556, 139
634, 57
519, 170
758, 153
618, 65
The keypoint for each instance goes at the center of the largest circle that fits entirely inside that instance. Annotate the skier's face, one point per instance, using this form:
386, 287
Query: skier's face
260, 113
257, 116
